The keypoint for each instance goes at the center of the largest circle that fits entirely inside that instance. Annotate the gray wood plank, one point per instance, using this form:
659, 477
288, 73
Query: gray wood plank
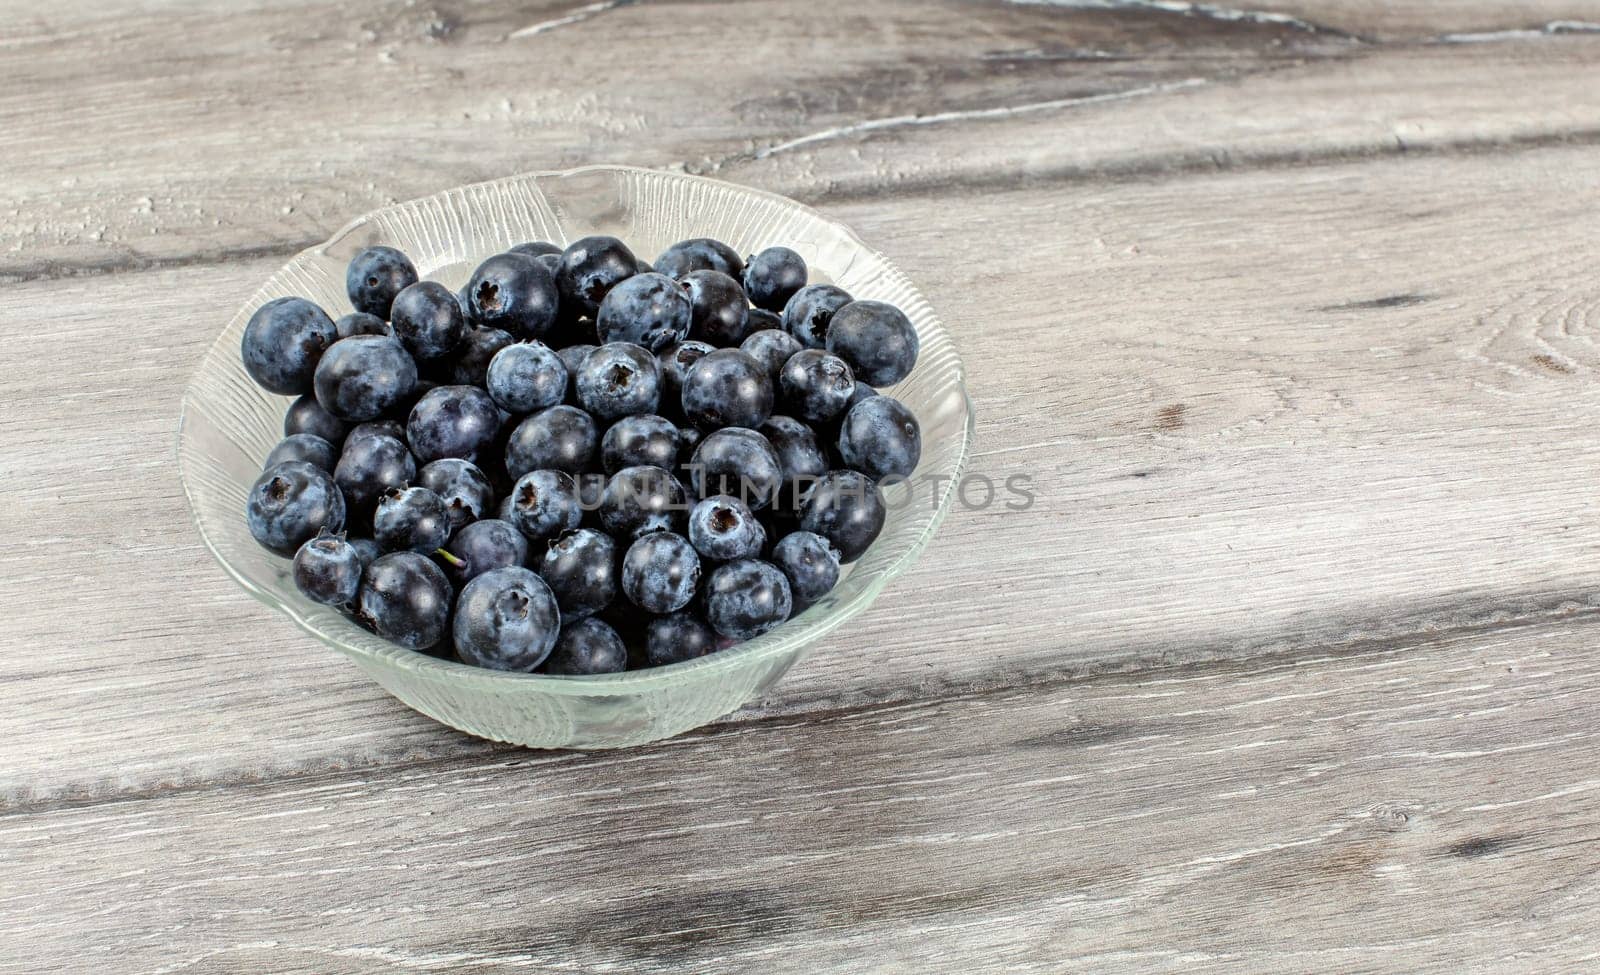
1263, 411
1430, 806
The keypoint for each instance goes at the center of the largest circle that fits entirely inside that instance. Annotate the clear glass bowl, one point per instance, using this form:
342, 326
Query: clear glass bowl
229, 424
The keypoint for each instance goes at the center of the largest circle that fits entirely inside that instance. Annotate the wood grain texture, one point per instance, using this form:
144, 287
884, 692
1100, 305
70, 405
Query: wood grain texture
1427, 807
1250, 437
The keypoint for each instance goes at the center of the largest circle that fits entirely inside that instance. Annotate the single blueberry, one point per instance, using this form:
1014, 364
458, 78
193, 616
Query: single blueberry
723, 528
527, 377
591, 267
719, 311
699, 254
367, 550
640, 500
558, 438
535, 248
810, 563
585, 647
815, 386
617, 380
290, 503
327, 570
807, 314
452, 421
481, 546
360, 323
369, 466
405, 599
463, 486
761, 319
306, 415
740, 462
880, 437
647, 309
427, 320
673, 362
470, 365
661, 572
580, 567
876, 340
506, 619
800, 458
411, 519
304, 446
745, 599
544, 504
572, 357
375, 276
640, 440
847, 509
514, 293
727, 388
773, 276
377, 428
772, 348
364, 376
676, 638
283, 342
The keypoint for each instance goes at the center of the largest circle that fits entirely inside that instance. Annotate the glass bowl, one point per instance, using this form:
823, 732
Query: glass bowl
229, 425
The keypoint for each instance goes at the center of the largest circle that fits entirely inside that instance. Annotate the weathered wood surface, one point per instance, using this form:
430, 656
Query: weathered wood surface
1314, 285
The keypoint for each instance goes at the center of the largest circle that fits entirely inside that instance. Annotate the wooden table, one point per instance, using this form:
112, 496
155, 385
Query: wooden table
1289, 312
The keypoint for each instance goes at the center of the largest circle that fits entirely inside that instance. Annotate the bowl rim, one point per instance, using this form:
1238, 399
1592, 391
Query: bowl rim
750, 652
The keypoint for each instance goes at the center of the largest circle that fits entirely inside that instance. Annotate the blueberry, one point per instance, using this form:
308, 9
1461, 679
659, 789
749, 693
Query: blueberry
506, 619
283, 342
544, 504
360, 323
375, 276
727, 388
739, 462
369, 466
772, 348
290, 503
810, 564
327, 570
617, 380
807, 314
699, 254
304, 446
762, 319
587, 647
405, 599
800, 458
452, 421
367, 550
640, 500
591, 267
363, 376
572, 357
773, 276
481, 546
745, 599
377, 428
723, 528
641, 440
470, 366
647, 309
558, 438
427, 320
306, 415
514, 293
527, 377
676, 638
847, 509
880, 437
876, 339
580, 567
673, 363
463, 487
661, 572
412, 519
719, 312
815, 386
536, 248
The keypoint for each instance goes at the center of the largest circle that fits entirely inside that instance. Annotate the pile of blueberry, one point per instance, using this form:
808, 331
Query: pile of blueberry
580, 463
